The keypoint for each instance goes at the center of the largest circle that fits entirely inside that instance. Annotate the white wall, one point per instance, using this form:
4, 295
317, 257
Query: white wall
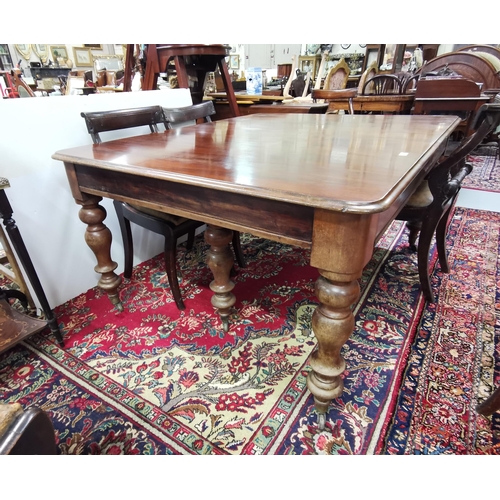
31, 130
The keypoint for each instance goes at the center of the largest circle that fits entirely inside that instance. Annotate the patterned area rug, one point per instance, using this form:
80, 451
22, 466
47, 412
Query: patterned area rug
485, 175
455, 360
153, 380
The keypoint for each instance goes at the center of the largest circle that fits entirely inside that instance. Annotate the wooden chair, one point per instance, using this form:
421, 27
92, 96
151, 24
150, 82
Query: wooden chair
170, 226
382, 85
337, 77
368, 73
336, 95
409, 84
429, 208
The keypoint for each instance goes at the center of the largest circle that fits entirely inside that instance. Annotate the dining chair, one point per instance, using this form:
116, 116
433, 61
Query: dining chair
170, 226
344, 95
429, 209
382, 85
409, 84
368, 73
337, 76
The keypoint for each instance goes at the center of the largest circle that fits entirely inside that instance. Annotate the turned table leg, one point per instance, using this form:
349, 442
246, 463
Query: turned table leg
98, 238
220, 260
333, 323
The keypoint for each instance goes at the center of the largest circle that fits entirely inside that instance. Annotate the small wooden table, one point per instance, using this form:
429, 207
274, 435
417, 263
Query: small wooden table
400, 103
331, 183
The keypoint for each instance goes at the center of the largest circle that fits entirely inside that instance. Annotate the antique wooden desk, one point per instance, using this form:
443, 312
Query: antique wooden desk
331, 183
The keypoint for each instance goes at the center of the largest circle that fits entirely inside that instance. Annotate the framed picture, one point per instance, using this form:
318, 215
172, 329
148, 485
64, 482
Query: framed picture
83, 57
42, 51
59, 53
93, 46
309, 63
234, 62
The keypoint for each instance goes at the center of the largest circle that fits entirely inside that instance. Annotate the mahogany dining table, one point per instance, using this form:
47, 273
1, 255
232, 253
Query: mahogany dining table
330, 183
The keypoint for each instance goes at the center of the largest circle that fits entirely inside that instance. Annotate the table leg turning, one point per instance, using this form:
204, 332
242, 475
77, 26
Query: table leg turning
333, 323
98, 238
220, 260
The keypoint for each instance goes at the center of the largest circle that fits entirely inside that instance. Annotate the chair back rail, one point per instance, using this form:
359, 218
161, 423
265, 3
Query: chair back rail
381, 85
107, 121
202, 111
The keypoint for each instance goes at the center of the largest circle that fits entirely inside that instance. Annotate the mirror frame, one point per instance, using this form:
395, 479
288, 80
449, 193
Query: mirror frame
108, 57
25, 52
40, 52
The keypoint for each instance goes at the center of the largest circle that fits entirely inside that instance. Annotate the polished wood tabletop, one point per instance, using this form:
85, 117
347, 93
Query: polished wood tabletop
331, 183
243, 96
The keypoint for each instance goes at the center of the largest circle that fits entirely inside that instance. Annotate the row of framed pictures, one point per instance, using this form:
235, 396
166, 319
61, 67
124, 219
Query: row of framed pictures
59, 53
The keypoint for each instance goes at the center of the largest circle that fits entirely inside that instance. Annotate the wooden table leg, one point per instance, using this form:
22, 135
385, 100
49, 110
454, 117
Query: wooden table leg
220, 260
342, 246
333, 323
98, 238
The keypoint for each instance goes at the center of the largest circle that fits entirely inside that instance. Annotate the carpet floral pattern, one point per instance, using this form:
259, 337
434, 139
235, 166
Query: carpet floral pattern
485, 175
454, 362
155, 380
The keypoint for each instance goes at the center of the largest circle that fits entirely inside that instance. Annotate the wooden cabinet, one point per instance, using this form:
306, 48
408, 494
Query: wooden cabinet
283, 53
258, 55
270, 55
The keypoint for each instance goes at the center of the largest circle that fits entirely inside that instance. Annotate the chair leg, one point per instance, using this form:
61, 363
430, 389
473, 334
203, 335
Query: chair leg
414, 229
424, 245
171, 269
237, 249
190, 240
128, 246
491, 405
441, 232
351, 107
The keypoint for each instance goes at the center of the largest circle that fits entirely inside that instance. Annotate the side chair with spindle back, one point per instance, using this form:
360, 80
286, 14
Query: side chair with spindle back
428, 210
170, 226
381, 85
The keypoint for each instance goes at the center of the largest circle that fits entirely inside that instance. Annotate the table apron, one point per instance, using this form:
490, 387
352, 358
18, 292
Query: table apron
276, 220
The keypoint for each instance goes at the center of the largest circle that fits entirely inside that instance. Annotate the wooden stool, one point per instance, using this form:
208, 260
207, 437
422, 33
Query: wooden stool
198, 60
27, 432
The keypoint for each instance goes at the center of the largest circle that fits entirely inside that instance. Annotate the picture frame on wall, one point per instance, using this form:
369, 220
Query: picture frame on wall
234, 62
93, 46
83, 57
59, 54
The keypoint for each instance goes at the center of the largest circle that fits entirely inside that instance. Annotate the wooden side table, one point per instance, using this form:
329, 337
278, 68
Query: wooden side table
17, 326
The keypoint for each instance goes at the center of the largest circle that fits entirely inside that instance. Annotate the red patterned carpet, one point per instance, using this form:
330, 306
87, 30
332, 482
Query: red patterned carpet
153, 380
485, 175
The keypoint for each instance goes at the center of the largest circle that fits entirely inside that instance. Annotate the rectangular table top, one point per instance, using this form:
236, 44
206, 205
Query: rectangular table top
349, 163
